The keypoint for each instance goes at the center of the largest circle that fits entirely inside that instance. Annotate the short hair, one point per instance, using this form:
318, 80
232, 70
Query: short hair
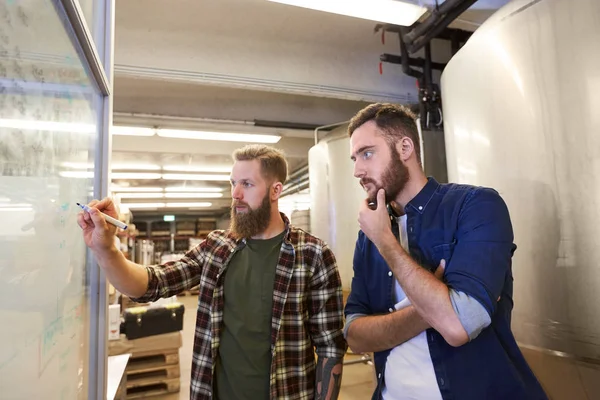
393, 120
273, 164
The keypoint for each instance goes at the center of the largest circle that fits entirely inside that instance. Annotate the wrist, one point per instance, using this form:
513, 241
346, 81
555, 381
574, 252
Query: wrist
108, 256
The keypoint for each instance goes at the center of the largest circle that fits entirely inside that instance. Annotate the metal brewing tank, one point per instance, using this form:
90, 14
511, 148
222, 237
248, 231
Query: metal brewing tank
335, 198
522, 114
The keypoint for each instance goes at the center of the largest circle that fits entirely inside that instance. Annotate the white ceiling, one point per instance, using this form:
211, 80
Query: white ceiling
224, 63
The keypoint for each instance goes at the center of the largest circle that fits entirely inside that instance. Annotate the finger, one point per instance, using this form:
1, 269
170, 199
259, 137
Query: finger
439, 272
97, 218
93, 203
81, 221
107, 206
381, 198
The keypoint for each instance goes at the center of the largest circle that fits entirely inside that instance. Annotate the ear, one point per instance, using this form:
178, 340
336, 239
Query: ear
275, 190
405, 148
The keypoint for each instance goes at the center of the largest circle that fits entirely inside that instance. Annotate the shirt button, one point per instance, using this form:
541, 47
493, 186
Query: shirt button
379, 376
391, 309
420, 207
442, 382
390, 273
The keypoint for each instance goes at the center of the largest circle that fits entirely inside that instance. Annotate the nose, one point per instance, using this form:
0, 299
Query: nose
236, 192
359, 172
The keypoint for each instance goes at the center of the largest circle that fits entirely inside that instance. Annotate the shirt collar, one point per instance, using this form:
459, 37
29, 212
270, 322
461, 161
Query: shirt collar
420, 201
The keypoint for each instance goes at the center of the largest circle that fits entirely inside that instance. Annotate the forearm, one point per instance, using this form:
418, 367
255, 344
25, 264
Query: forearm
383, 332
427, 294
127, 277
329, 378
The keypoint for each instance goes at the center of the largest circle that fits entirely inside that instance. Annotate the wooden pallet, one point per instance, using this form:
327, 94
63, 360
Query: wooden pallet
153, 388
153, 373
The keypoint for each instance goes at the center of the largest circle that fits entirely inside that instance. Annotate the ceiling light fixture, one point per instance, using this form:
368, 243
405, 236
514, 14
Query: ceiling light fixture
190, 177
220, 136
119, 189
132, 131
395, 12
197, 168
131, 167
165, 205
170, 195
135, 175
192, 189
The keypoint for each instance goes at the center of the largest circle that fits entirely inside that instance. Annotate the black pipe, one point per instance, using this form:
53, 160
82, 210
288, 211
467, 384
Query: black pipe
440, 26
284, 125
413, 62
427, 68
405, 59
436, 14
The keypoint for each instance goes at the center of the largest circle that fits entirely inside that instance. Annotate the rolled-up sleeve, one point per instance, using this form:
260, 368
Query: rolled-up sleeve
326, 317
357, 305
174, 277
483, 249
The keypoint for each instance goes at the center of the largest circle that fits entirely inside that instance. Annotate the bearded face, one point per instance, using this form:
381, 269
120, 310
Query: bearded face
247, 222
393, 179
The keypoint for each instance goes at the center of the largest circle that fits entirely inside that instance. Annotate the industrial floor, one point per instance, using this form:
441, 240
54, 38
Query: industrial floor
357, 383
562, 378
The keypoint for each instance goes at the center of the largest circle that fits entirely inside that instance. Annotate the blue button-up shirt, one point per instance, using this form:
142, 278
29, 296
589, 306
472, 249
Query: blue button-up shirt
470, 228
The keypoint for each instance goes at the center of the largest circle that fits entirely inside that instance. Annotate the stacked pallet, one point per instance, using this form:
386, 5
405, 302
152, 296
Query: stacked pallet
153, 368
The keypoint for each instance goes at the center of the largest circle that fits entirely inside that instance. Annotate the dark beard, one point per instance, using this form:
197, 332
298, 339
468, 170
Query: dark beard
393, 180
252, 222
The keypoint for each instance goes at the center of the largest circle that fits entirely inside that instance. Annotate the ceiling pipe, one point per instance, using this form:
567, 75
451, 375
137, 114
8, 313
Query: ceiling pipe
436, 15
324, 127
440, 25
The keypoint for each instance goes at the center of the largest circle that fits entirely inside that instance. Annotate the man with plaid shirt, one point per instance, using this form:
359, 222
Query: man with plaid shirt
270, 294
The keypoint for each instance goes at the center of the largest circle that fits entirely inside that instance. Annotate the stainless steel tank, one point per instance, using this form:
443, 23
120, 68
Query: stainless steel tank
335, 198
522, 114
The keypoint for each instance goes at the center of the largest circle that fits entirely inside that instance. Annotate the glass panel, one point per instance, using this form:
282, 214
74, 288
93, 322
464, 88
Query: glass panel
49, 134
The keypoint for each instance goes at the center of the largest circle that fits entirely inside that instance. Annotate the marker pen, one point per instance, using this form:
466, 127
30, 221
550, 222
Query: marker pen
107, 218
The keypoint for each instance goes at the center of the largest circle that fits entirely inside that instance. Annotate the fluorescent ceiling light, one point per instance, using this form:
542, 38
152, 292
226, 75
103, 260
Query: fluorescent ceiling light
134, 175
193, 189
115, 188
132, 131
15, 205
196, 168
193, 195
77, 165
53, 126
76, 174
169, 205
389, 11
220, 136
130, 167
189, 177
16, 209
143, 205
188, 205
170, 195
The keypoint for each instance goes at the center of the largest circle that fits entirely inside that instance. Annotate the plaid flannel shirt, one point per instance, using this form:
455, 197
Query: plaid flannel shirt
307, 308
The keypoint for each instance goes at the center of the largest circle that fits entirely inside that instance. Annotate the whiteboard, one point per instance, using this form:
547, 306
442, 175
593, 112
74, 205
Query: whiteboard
49, 133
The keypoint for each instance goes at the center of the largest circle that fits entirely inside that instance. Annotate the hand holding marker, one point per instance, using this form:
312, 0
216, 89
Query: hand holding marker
107, 218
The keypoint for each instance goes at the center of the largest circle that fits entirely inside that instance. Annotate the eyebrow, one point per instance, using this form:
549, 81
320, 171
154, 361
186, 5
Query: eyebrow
361, 150
244, 180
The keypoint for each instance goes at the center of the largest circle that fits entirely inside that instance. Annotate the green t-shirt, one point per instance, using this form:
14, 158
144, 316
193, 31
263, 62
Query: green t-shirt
243, 366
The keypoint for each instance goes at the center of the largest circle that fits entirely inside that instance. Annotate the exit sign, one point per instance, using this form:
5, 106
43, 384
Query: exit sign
168, 218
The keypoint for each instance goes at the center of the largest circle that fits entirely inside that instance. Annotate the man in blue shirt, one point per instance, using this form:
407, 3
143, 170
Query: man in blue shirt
432, 288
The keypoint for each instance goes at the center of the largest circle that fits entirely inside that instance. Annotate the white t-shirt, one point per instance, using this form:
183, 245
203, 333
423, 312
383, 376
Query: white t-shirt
409, 370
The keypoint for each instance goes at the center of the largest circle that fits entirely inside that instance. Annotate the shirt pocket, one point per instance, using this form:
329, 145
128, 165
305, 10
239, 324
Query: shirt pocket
441, 252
